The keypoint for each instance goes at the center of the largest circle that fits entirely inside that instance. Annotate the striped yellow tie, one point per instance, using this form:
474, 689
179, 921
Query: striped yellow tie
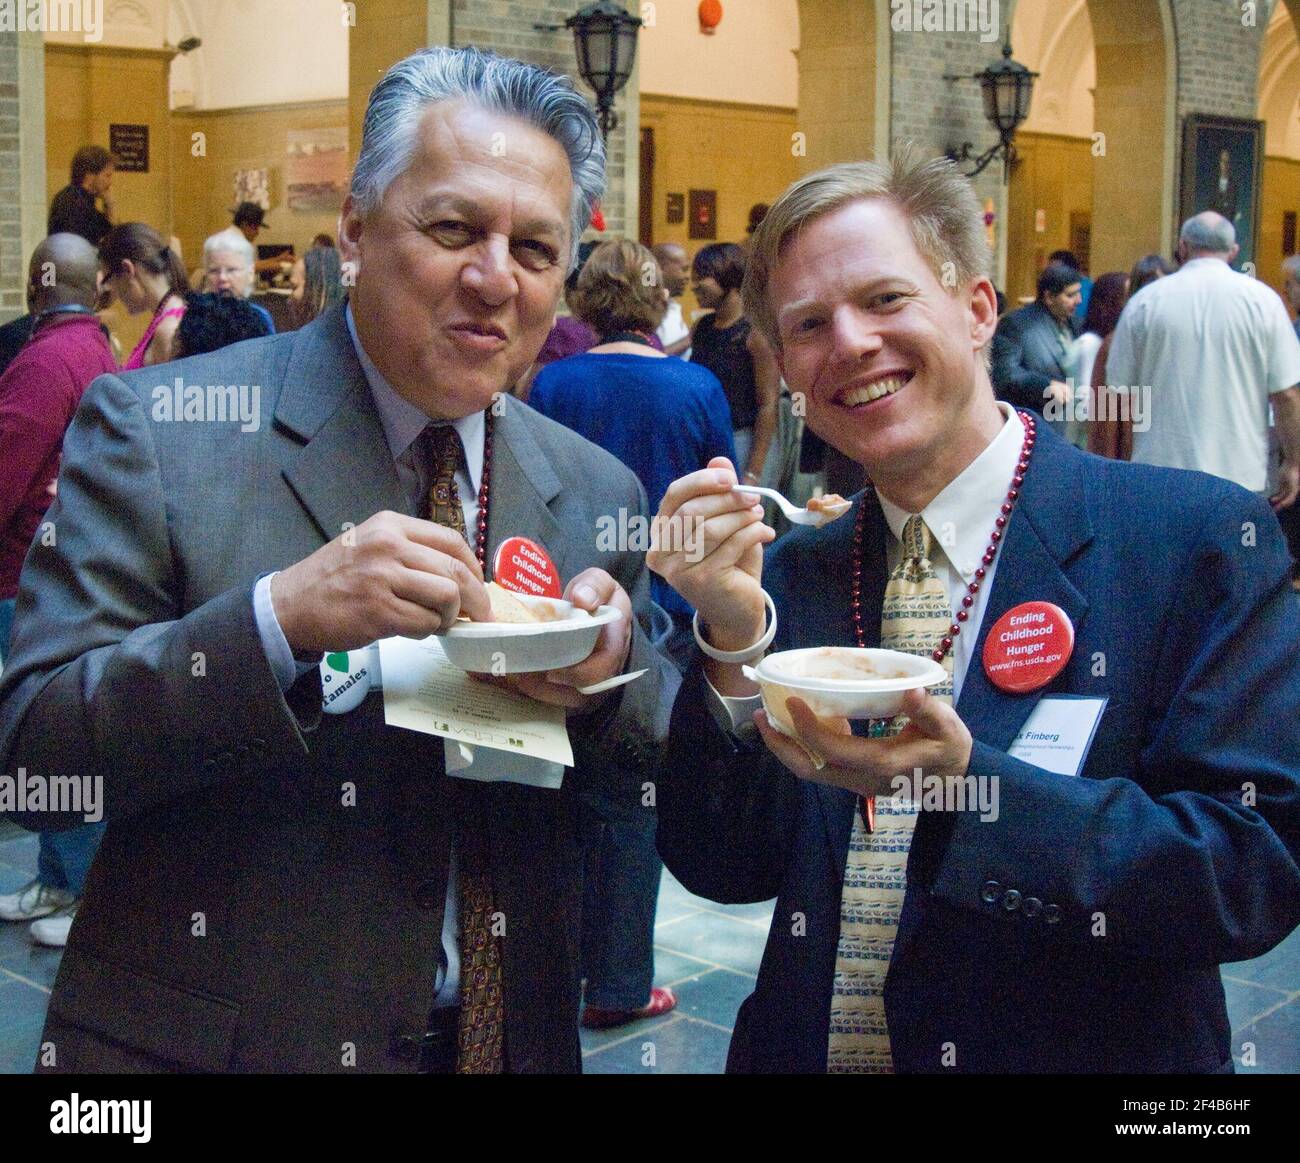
915, 617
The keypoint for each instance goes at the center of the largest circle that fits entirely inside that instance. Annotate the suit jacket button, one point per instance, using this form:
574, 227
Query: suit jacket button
1051, 914
1011, 900
990, 892
1032, 906
429, 895
209, 765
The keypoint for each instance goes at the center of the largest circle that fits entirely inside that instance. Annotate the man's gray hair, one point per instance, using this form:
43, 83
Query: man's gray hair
542, 99
1208, 233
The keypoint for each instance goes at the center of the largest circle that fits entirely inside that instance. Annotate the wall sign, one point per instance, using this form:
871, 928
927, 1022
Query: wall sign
676, 208
704, 214
130, 145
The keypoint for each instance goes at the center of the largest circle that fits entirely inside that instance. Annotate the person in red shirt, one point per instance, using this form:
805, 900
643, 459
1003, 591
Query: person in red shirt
39, 392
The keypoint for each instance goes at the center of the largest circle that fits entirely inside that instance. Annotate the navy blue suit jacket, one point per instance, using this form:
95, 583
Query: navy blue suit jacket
1181, 834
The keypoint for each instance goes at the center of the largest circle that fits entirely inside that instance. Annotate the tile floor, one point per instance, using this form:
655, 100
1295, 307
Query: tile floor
708, 953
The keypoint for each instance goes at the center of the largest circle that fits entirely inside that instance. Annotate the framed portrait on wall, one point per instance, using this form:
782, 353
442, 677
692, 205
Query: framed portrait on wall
1223, 162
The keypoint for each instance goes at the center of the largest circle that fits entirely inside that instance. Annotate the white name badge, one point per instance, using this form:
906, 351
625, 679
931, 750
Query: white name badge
345, 677
1059, 732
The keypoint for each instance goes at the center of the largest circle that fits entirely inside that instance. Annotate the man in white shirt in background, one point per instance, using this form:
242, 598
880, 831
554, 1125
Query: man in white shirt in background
674, 332
1214, 348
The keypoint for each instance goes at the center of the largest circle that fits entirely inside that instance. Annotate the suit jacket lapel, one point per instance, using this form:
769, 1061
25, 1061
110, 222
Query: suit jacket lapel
344, 472
1049, 527
522, 487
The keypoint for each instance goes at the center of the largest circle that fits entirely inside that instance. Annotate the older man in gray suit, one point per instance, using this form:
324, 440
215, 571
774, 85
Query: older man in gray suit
281, 889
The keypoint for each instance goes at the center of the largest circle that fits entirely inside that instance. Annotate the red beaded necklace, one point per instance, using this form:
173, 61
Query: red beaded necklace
480, 541
995, 538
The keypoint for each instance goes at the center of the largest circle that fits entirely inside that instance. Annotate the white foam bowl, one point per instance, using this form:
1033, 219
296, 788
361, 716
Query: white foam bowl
805, 674
527, 647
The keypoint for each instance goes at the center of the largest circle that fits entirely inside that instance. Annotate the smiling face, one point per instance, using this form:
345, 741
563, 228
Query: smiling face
887, 358
460, 269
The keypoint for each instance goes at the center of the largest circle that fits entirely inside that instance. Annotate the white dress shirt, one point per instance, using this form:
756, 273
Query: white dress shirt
960, 519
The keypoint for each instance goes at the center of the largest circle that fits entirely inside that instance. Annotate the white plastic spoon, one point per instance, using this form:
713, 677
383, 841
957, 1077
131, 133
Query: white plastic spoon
793, 513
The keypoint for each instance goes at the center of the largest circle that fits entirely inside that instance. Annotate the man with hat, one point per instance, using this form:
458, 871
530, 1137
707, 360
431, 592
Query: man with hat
250, 220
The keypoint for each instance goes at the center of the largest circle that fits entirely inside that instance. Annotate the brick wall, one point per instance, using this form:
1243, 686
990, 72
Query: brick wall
506, 26
939, 115
12, 260
1218, 56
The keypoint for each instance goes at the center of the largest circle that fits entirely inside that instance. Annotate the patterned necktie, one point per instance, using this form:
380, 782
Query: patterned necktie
915, 617
482, 1013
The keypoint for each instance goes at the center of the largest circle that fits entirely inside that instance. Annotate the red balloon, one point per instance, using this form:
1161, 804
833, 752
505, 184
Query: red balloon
710, 14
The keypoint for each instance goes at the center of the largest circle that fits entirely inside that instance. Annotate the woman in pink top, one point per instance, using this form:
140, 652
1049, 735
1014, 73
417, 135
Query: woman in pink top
145, 274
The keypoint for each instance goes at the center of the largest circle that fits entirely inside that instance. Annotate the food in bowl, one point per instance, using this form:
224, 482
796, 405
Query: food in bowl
507, 608
841, 665
841, 682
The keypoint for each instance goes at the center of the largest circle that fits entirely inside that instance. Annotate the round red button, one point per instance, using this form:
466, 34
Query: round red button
1028, 647
525, 567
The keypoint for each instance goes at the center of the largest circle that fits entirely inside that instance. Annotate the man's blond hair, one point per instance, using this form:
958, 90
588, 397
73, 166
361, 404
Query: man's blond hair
940, 206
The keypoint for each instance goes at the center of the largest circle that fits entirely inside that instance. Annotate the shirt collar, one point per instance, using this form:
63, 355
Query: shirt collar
403, 422
961, 517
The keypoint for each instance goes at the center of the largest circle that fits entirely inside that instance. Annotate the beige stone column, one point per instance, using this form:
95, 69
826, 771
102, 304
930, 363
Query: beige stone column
1133, 186
837, 82
33, 208
384, 32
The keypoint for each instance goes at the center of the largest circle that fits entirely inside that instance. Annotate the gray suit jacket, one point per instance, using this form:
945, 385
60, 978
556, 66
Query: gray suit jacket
1027, 356
136, 658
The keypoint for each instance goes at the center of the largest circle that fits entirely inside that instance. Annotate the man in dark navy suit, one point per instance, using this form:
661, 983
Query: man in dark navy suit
1130, 813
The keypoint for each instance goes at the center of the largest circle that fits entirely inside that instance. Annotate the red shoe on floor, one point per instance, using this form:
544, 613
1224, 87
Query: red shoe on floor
662, 999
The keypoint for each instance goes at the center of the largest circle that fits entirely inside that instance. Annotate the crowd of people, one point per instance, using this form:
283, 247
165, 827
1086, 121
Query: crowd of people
437, 406
1195, 372
50, 355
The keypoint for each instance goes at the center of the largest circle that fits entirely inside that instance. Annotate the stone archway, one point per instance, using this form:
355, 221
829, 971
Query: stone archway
844, 80
1133, 132
1133, 185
